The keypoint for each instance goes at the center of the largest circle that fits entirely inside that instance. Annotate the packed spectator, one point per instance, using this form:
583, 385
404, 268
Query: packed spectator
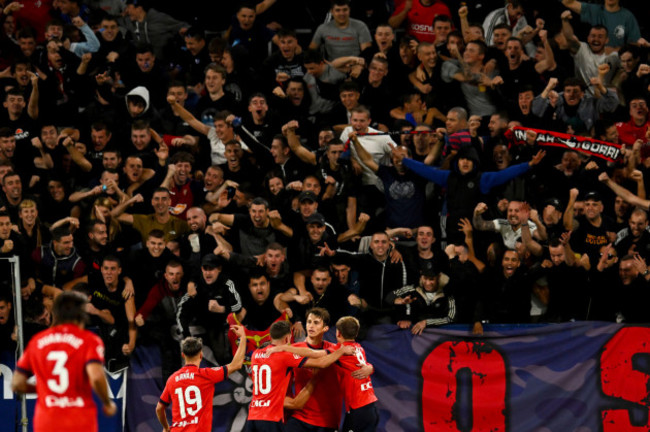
376, 161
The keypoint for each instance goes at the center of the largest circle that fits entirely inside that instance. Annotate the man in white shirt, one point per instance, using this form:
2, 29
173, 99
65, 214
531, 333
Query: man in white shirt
380, 147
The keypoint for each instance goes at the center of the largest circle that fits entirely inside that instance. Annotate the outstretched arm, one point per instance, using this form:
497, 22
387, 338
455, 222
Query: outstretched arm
624, 193
238, 358
364, 156
478, 221
187, 116
574, 5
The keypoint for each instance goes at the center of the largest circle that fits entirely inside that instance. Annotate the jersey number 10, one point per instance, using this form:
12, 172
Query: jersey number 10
262, 379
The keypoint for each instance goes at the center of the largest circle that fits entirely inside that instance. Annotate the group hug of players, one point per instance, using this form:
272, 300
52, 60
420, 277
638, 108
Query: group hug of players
67, 361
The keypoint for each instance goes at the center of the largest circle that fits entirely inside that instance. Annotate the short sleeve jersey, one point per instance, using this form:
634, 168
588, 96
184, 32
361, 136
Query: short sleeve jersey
271, 375
190, 391
324, 406
58, 357
358, 393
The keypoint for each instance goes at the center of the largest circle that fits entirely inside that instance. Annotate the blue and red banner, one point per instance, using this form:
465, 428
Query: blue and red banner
585, 377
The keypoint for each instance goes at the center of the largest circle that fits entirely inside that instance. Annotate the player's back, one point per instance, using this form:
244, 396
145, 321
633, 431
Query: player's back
58, 358
323, 408
271, 374
357, 392
190, 391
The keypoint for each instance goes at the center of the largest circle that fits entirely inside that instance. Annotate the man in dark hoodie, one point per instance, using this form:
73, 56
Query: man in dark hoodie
465, 183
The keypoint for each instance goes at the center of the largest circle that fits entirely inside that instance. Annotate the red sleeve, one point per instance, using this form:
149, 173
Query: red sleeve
217, 374
95, 350
154, 297
293, 360
164, 397
24, 364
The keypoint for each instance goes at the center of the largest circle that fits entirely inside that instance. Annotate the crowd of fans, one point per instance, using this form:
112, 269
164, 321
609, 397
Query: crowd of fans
189, 171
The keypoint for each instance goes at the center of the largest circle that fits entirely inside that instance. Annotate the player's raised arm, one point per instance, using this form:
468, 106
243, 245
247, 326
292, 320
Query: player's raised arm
238, 358
326, 361
301, 351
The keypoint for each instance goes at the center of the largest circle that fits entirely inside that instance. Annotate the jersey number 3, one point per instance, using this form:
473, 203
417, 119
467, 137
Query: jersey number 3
59, 371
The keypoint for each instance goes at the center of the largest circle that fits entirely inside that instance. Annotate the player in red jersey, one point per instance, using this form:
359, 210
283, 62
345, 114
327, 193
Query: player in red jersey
191, 388
68, 364
358, 393
322, 412
271, 375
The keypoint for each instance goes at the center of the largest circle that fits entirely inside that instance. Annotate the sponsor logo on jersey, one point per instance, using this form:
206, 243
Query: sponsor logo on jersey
260, 403
64, 402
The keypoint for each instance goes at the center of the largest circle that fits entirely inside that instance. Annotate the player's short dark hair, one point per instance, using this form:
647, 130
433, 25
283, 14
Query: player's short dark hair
348, 326
280, 329
69, 307
191, 346
321, 313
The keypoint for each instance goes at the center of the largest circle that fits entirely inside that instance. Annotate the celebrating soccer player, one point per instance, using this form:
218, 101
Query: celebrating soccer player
191, 388
67, 362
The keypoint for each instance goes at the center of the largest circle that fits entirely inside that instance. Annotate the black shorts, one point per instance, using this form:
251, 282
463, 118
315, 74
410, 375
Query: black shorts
364, 419
264, 426
295, 425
